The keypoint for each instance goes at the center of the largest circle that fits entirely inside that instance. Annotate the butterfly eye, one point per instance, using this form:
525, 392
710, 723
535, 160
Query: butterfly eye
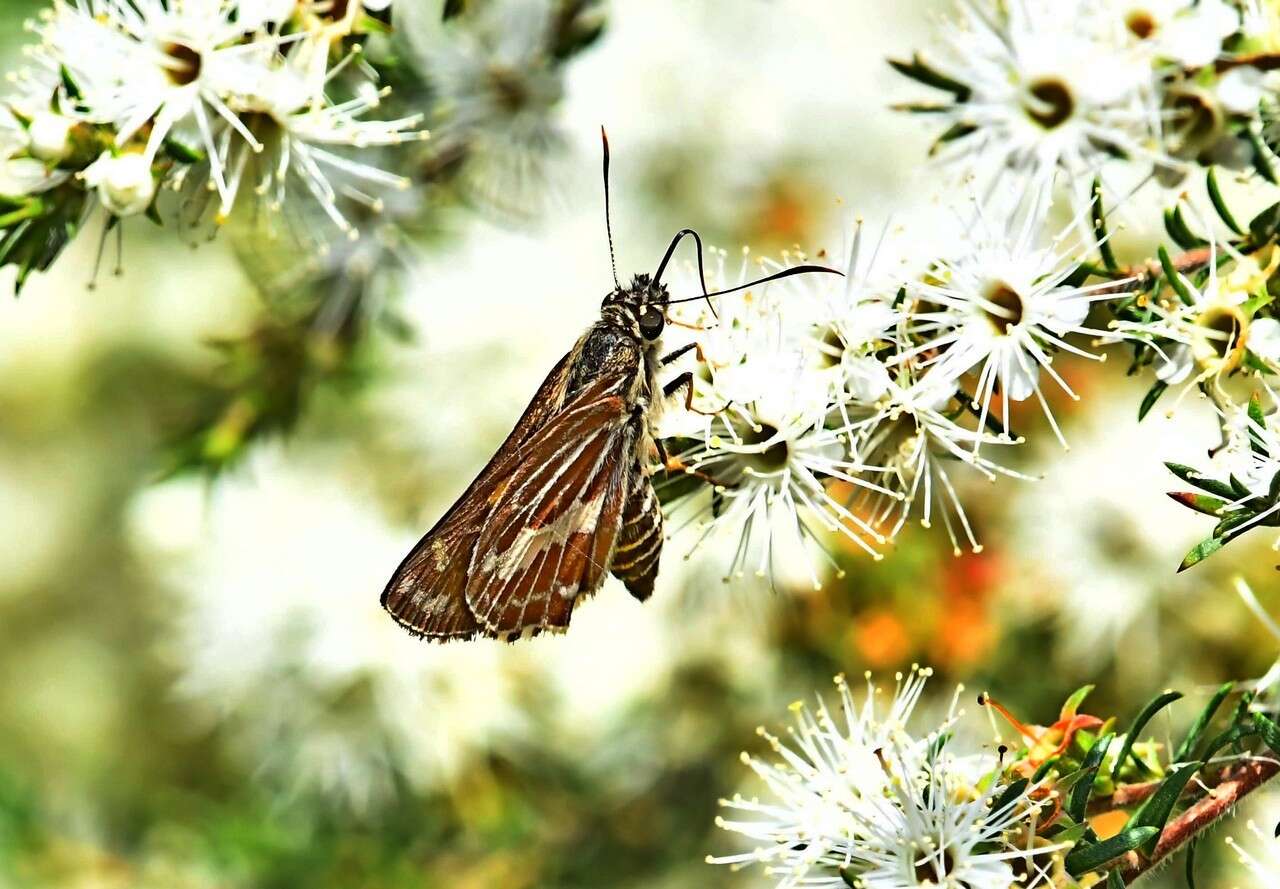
651, 324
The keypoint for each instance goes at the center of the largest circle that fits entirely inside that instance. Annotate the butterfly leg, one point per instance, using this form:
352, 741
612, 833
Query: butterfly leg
678, 353
685, 382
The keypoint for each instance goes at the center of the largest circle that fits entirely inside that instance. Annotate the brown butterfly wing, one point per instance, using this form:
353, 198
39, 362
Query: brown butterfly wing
426, 595
550, 539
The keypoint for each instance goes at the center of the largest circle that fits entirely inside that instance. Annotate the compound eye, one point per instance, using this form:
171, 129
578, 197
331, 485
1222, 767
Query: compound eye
651, 323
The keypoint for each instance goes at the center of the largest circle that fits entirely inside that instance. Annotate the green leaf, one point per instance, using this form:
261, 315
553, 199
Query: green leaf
1262, 158
920, 72
1100, 228
1187, 748
1263, 226
1193, 477
1219, 204
1175, 223
1174, 277
452, 8
1010, 794
1072, 704
1078, 800
1159, 806
1150, 399
1157, 704
1114, 880
1191, 862
1201, 551
1082, 860
1199, 502
1269, 730
1226, 738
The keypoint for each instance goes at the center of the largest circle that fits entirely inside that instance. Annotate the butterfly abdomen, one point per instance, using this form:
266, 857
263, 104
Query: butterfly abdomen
639, 548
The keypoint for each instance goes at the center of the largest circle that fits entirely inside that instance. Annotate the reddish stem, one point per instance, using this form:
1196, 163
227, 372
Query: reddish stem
1235, 782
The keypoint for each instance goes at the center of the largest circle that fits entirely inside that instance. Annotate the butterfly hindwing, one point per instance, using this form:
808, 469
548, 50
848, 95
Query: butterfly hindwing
427, 593
557, 516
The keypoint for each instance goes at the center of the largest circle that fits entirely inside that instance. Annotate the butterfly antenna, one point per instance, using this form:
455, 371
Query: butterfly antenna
608, 220
702, 275
776, 276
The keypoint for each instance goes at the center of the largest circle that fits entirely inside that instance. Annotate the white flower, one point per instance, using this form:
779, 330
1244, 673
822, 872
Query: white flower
125, 183
496, 85
148, 63
864, 800
280, 639
1207, 327
300, 130
1046, 91
907, 436
774, 478
1005, 307
826, 773
1188, 32
927, 834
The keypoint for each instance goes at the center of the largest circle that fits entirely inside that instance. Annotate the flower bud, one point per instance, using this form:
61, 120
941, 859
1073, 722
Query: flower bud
125, 184
51, 136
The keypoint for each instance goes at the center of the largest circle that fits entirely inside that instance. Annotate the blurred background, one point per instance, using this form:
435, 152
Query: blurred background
197, 685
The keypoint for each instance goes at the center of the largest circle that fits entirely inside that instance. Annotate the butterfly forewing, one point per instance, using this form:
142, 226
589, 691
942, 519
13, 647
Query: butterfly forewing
550, 538
427, 593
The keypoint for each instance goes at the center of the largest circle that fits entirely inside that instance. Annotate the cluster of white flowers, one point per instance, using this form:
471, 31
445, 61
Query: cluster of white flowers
845, 405
855, 799
216, 96
1260, 860
1038, 86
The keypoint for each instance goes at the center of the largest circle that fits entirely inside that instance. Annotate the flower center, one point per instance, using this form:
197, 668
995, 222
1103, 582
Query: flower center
774, 457
830, 348
338, 10
1222, 331
1197, 120
927, 871
1053, 103
510, 90
1141, 23
185, 64
1007, 310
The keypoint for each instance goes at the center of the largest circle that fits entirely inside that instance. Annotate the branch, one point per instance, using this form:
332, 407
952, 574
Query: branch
1237, 781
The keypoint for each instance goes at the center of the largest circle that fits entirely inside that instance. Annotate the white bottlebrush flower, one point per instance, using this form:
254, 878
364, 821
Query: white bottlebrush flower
774, 477
828, 769
861, 799
1045, 91
281, 641
125, 183
154, 66
928, 834
772, 365
1204, 333
300, 130
1004, 307
906, 432
1251, 456
1187, 32
496, 86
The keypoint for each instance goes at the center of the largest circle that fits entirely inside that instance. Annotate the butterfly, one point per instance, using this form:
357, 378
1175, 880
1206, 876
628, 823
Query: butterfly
568, 498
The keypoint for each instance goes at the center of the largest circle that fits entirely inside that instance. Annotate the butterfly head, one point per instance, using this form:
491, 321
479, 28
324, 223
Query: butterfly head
641, 307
